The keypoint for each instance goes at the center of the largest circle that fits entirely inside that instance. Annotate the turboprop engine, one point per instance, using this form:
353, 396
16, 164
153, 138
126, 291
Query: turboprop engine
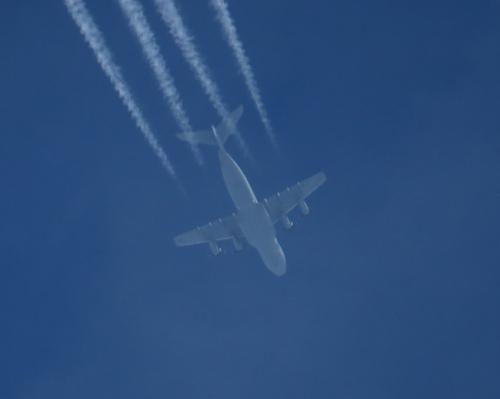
304, 208
216, 250
287, 223
238, 246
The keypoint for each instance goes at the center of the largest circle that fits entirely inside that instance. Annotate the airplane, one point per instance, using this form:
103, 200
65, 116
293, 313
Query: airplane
253, 220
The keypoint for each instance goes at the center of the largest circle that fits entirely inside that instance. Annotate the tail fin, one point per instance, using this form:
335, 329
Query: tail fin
224, 129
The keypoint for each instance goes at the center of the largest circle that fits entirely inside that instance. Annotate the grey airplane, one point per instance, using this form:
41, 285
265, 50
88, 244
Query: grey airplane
253, 221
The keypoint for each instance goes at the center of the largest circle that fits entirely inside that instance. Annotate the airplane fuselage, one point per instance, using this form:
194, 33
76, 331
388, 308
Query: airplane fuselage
252, 216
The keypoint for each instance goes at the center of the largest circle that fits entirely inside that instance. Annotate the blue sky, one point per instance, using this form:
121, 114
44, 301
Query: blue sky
392, 283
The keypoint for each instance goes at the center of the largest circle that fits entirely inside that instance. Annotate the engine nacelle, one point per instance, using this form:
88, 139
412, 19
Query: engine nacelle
304, 208
287, 223
216, 250
238, 246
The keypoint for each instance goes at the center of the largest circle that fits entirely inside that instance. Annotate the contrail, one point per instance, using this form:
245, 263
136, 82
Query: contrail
231, 36
184, 40
138, 23
95, 40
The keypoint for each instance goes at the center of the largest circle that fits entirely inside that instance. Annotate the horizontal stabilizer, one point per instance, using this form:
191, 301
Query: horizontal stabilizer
224, 129
198, 137
229, 124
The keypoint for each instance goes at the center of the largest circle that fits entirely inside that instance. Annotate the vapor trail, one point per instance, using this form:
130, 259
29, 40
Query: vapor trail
231, 36
95, 40
184, 40
138, 23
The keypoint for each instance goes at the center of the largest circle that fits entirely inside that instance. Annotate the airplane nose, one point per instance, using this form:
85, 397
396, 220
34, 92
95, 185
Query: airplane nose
275, 260
280, 265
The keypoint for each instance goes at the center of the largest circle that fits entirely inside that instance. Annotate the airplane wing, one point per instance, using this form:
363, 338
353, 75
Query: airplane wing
218, 230
280, 204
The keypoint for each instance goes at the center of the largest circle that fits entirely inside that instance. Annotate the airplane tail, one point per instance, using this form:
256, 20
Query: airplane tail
218, 135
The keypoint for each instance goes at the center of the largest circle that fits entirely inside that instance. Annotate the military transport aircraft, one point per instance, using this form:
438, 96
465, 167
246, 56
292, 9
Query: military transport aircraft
253, 220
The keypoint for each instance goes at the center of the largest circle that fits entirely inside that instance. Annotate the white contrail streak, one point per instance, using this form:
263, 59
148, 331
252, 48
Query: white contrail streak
95, 40
231, 36
184, 40
138, 23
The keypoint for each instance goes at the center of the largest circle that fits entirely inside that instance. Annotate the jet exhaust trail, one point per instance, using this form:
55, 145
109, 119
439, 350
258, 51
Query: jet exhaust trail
231, 36
184, 40
134, 13
173, 20
96, 42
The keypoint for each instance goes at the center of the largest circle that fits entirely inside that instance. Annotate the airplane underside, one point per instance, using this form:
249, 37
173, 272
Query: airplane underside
253, 221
